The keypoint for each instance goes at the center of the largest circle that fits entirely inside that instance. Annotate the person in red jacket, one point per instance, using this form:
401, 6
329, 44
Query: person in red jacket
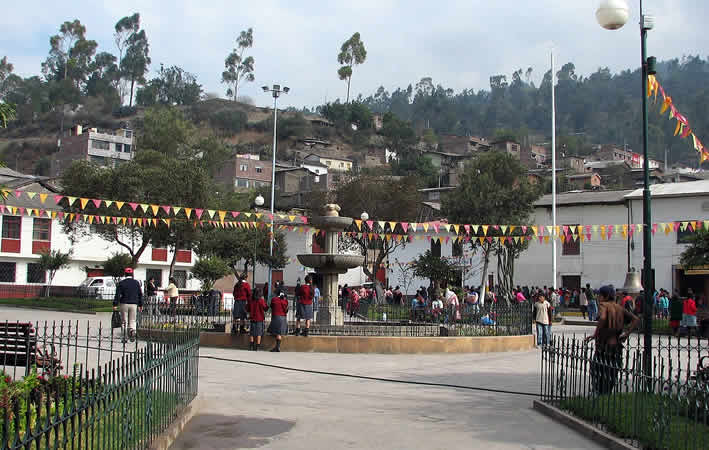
279, 323
304, 307
257, 314
242, 294
689, 313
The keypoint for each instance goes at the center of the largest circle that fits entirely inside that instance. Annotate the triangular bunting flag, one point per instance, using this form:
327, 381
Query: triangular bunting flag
96, 202
31, 194
119, 205
83, 202
485, 228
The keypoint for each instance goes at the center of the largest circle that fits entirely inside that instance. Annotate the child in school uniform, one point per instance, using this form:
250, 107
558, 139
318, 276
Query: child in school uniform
279, 323
257, 315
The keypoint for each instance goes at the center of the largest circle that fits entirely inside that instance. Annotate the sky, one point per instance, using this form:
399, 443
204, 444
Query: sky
459, 43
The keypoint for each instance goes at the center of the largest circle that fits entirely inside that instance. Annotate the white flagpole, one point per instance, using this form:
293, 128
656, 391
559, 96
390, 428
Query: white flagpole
553, 171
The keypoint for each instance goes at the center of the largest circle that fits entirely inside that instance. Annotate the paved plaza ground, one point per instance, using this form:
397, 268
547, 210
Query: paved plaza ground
249, 406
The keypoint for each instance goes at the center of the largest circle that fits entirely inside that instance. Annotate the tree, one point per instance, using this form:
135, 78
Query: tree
237, 67
697, 254
380, 197
7, 113
493, 190
434, 268
52, 261
134, 64
115, 266
406, 274
6, 69
352, 53
209, 270
70, 54
165, 172
172, 86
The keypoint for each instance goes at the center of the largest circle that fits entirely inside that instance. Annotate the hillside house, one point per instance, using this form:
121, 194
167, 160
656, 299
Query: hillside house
107, 148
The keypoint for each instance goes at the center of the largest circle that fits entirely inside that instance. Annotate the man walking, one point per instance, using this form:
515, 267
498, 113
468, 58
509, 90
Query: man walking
592, 304
609, 336
583, 303
129, 298
151, 290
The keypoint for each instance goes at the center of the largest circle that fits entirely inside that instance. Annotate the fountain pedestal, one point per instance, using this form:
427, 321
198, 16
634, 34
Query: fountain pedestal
330, 264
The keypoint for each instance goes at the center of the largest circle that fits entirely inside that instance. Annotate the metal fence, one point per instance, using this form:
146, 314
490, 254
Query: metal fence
72, 385
609, 388
368, 319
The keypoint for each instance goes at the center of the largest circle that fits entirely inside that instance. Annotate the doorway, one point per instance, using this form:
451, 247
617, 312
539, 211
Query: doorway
571, 282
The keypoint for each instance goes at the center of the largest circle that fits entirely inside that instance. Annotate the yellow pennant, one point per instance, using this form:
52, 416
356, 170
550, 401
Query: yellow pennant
425, 227
258, 215
123, 220
188, 212
456, 228
31, 194
91, 219
108, 203
485, 227
155, 209
512, 228
556, 230
535, 229
145, 207
580, 229
176, 209
119, 205
54, 214
359, 224
222, 215
481, 239
447, 227
392, 225
502, 239
546, 239
582, 237
291, 218
42, 198
83, 202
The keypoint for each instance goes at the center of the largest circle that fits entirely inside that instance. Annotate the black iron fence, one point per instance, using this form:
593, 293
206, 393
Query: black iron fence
70, 385
667, 407
367, 319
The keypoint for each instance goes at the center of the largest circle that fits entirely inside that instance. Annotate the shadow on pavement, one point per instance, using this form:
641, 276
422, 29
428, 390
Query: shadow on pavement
216, 431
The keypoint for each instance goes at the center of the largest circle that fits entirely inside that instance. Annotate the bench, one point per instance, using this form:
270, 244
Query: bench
18, 347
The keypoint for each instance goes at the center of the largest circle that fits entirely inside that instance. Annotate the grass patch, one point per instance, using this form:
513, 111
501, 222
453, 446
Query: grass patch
655, 421
60, 304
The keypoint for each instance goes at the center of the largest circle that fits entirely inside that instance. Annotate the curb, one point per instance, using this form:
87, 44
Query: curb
41, 308
170, 435
580, 322
580, 426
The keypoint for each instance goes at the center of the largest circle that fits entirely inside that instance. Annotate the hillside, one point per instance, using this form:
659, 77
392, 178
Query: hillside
27, 145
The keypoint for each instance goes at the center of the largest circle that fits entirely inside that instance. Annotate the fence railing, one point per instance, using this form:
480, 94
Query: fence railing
667, 407
369, 319
69, 385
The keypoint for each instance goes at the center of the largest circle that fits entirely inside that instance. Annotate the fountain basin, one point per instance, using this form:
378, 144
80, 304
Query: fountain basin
331, 262
330, 223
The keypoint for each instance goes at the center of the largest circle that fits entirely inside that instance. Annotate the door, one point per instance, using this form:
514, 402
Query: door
571, 281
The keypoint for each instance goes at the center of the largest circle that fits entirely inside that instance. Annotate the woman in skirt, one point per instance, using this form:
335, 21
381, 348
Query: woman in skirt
279, 323
257, 314
304, 307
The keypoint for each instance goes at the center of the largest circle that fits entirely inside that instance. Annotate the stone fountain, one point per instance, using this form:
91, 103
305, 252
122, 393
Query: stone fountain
330, 264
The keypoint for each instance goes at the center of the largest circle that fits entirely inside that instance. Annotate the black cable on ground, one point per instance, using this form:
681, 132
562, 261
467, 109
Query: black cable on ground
364, 377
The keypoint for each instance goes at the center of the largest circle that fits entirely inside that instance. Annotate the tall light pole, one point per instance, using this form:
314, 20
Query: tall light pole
258, 202
613, 14
276, 91
553, 172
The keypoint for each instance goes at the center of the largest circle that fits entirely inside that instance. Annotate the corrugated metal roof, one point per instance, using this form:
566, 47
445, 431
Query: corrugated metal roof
584, 197
686, 188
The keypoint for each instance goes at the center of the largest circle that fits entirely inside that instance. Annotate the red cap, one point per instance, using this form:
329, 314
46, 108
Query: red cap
129, 270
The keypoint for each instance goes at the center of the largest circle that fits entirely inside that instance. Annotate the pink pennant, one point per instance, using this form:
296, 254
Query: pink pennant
166, 209
270, 216
675, 225
588, 236
97, 203
509, 239
447, 239
467, 229
198, 212
235, 214
370, 224
524, 229
58, 198
130, 221
489, 239
541, 238
304, 219
435, 226
115, 220
18, 194
21, 209
566, 229
654, 228
405, 226
2, 208
497, 227
60, 215
133, 206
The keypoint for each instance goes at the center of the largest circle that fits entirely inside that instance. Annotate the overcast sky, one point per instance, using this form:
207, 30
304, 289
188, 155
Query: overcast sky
459, 43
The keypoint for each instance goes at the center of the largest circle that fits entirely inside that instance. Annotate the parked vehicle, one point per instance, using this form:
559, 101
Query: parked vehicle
98, 287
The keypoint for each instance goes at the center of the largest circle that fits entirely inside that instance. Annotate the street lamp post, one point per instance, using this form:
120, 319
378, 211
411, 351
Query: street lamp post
258, 202
365, 217
613, 14
276, 91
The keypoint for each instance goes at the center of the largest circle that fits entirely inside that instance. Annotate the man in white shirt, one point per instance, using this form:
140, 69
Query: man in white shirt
542, 317
583, 302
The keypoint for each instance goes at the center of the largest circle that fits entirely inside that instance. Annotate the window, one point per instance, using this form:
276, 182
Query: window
35, 274
98, 160
127, 148
154, 273
41, 229
101, 145
11, 227
327, 163
571, 246
129, 133
683, 237
342, 164
259, 169
242, 182
435, 248
243, 167
7, 272
457, 249
180, 278
119, 147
